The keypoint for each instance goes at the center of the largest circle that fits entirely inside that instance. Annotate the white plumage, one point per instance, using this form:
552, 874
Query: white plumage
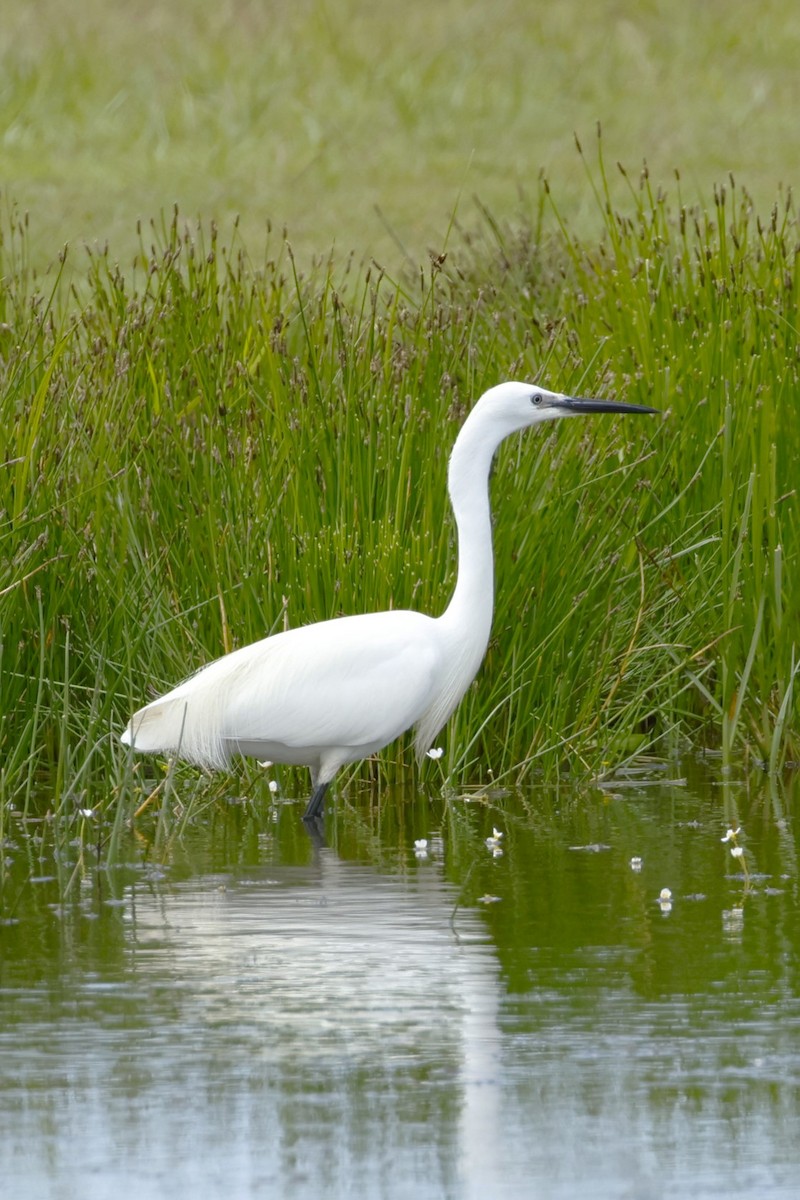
327, 694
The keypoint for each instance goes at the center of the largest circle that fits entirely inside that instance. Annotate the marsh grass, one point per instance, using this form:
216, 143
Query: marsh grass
205, 449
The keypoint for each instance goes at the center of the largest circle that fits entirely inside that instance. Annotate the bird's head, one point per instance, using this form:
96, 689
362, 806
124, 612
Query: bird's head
514, 406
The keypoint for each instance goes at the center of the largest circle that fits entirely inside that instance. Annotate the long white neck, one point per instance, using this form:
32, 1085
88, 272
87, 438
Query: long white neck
467, 621
468, 617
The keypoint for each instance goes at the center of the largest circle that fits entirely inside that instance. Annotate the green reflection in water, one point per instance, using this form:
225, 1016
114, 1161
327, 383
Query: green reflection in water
253, 1013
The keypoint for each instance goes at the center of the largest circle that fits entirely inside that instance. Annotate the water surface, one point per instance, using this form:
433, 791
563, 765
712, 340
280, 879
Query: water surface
249, 1014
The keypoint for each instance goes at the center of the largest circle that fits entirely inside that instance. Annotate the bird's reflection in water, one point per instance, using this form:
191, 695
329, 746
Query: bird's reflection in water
355, 1013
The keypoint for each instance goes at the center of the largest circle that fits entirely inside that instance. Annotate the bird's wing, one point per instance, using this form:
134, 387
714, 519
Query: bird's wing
347, 682
355, 681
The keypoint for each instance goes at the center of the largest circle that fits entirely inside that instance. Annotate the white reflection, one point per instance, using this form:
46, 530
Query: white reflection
356, 1015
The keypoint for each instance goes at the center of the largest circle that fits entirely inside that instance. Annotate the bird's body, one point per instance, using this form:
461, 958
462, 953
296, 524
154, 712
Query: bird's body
312, 696
327, 694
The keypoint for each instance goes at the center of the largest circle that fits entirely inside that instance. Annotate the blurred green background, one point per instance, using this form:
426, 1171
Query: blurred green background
365, 124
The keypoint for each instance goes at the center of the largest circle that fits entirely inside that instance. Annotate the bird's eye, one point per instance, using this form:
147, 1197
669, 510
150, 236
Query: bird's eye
536, 398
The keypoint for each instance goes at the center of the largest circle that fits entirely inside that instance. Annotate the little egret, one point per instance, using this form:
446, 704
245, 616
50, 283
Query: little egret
327, 694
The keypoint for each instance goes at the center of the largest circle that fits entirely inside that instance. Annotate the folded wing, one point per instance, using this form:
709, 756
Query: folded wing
351, 682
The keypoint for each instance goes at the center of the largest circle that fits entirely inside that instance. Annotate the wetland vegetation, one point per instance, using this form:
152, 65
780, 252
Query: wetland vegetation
207, 447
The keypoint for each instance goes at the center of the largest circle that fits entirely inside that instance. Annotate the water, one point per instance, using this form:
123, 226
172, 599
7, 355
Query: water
250, 1015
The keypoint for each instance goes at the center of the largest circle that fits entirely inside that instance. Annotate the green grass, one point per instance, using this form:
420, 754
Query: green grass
362, 124
209, 447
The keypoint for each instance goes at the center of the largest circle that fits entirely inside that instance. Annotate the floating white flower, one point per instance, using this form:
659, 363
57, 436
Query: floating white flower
493, 842
737, 851
435, 752
636, 863
273, 786
665, 894
730, 835
421, 844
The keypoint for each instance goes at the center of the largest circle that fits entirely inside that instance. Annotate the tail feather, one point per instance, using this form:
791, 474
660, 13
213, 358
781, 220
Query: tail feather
167, 726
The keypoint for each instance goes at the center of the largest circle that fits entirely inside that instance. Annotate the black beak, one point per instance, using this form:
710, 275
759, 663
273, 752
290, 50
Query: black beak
577, 404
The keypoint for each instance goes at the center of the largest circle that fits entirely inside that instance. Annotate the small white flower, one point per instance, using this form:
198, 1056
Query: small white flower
435, 752
636, 863
665, 894
266, 764
737, 851
87, 813
493, 843
273, 786
421, 844
730, 835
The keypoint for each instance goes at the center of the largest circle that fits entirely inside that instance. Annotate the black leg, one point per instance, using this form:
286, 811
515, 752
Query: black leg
316, 803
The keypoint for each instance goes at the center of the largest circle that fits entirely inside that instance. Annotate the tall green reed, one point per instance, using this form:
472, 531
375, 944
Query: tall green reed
204, 449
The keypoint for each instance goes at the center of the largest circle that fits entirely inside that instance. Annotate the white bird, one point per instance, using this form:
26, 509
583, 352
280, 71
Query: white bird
327, 694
